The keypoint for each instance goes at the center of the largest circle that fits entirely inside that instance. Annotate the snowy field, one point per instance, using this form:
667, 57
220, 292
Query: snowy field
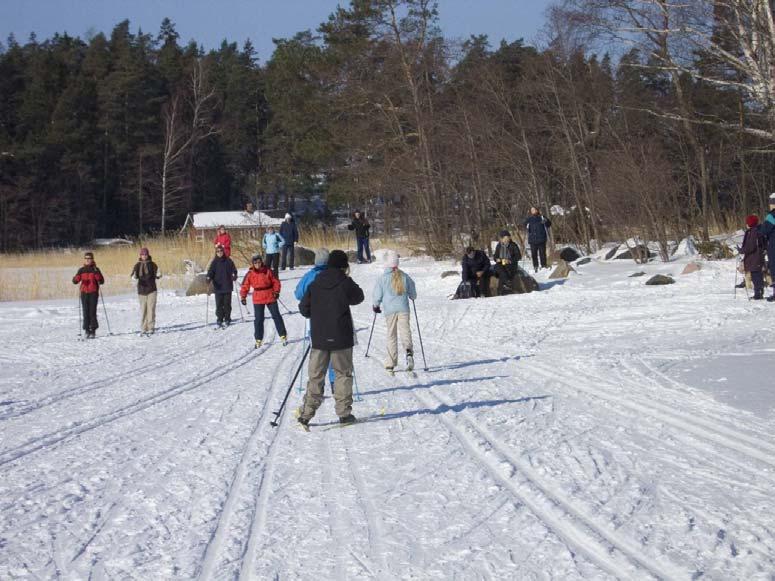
599, 429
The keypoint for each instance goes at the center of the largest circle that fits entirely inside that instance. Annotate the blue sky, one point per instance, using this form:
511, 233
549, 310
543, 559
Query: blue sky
210, 21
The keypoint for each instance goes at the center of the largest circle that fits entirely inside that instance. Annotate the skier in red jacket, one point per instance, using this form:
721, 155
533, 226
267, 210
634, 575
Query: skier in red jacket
223, 239
266, 290
90, 278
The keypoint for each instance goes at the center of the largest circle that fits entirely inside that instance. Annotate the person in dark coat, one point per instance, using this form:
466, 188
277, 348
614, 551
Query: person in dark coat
507, 257
767, 228
90, 278
290, 233
361, 226
146, 272
537, 235
753, 255
476, 270
326, 303
222, 274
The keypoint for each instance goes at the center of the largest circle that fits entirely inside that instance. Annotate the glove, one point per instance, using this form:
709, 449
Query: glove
276, 295
376, 309
244, 301
133, 277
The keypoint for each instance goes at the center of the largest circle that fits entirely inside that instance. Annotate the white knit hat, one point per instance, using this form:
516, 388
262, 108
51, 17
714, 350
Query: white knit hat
321, 257
772, 199
391, 259
288, 216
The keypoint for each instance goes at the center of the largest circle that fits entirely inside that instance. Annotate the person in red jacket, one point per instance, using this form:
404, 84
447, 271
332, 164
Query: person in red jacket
223, 238
90, 278
266, 290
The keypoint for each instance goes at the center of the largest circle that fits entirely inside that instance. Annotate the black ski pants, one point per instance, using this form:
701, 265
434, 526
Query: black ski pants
287, 250
273, 263
223, 307
505, 273
757, 279
258, 322
89, 311
538, 253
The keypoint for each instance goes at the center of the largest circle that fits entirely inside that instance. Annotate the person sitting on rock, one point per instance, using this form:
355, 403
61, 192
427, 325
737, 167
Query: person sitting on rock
476, 270
507, 256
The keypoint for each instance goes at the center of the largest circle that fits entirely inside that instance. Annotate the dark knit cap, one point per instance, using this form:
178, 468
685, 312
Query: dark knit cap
505, 233
337, 259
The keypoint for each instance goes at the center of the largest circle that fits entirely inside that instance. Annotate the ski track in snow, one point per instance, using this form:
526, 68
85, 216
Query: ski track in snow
549, 438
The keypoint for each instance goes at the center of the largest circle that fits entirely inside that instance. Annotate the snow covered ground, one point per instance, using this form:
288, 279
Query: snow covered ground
599, 429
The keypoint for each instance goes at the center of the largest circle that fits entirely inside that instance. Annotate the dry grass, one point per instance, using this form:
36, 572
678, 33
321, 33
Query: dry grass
48, 274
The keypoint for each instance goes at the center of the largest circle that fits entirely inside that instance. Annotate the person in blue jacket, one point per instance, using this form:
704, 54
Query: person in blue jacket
321, 263
767, 228
391, 295
272, 244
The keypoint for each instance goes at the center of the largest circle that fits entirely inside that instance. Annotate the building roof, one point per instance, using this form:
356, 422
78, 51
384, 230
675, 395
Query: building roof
237, 219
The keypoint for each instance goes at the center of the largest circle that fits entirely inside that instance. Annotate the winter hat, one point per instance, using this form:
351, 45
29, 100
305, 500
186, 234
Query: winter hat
257, 257
391, 259
321, 257
288, 217
505, 233
469, 249
772, 199
751, 221
144, 251
88, 255
337, 259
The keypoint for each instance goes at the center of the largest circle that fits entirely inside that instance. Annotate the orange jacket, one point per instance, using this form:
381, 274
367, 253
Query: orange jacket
264, 284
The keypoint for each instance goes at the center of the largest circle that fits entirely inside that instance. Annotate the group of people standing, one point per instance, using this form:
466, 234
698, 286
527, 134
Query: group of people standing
477, 267
758, 240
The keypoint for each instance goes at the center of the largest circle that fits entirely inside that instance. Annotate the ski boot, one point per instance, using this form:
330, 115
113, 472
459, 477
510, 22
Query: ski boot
284, 339
390, 369
304, 423
351, 419
259, 342
409, 360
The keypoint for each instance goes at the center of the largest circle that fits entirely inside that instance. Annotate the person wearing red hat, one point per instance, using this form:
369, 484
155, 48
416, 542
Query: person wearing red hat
753, 248
146, 273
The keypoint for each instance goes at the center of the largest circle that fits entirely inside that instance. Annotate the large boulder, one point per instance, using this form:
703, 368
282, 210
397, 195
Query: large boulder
569, 254
659, 279
198, 286
639, 253
637, 274
611, 253
692, 267
303, 256
562, 270
521, 283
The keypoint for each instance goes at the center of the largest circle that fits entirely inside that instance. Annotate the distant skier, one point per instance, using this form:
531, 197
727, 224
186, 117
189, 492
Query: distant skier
321, 263
326, 303
223, 238
90, 278
266, 291
392, 293
476, 270
146, 272
290, 234
272, 243
752, 249
222, 273
507, 256
362, 227
767, 228
537, 235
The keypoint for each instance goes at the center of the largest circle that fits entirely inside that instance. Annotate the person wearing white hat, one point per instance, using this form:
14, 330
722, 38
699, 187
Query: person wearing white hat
391, 295
290, 234
767, 228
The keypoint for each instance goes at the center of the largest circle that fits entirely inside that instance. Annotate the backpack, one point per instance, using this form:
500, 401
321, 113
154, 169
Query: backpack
464, 290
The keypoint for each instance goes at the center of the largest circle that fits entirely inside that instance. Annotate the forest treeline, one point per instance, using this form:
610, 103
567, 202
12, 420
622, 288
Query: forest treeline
638, 117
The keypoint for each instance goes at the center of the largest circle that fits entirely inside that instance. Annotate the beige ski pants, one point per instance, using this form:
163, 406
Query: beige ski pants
397, 324
342, 362
147, 312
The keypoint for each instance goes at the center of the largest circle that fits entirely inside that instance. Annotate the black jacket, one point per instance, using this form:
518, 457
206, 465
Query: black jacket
327, 305
512, 252
478, 263
361, 227
146, 283
222, 273
537, 229
289, 232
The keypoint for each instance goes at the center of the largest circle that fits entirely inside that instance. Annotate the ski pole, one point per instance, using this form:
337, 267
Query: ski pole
357, 391
370, 334
419, 334
105, 310
80, 316
306, 340
207, 310
239, 304
277, 414
737, 268
288, 311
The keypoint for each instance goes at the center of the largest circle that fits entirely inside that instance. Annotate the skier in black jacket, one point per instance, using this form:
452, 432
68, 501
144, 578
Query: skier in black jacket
361, 226
222, 274
476, 270
537, 235
326, 303
507, 257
